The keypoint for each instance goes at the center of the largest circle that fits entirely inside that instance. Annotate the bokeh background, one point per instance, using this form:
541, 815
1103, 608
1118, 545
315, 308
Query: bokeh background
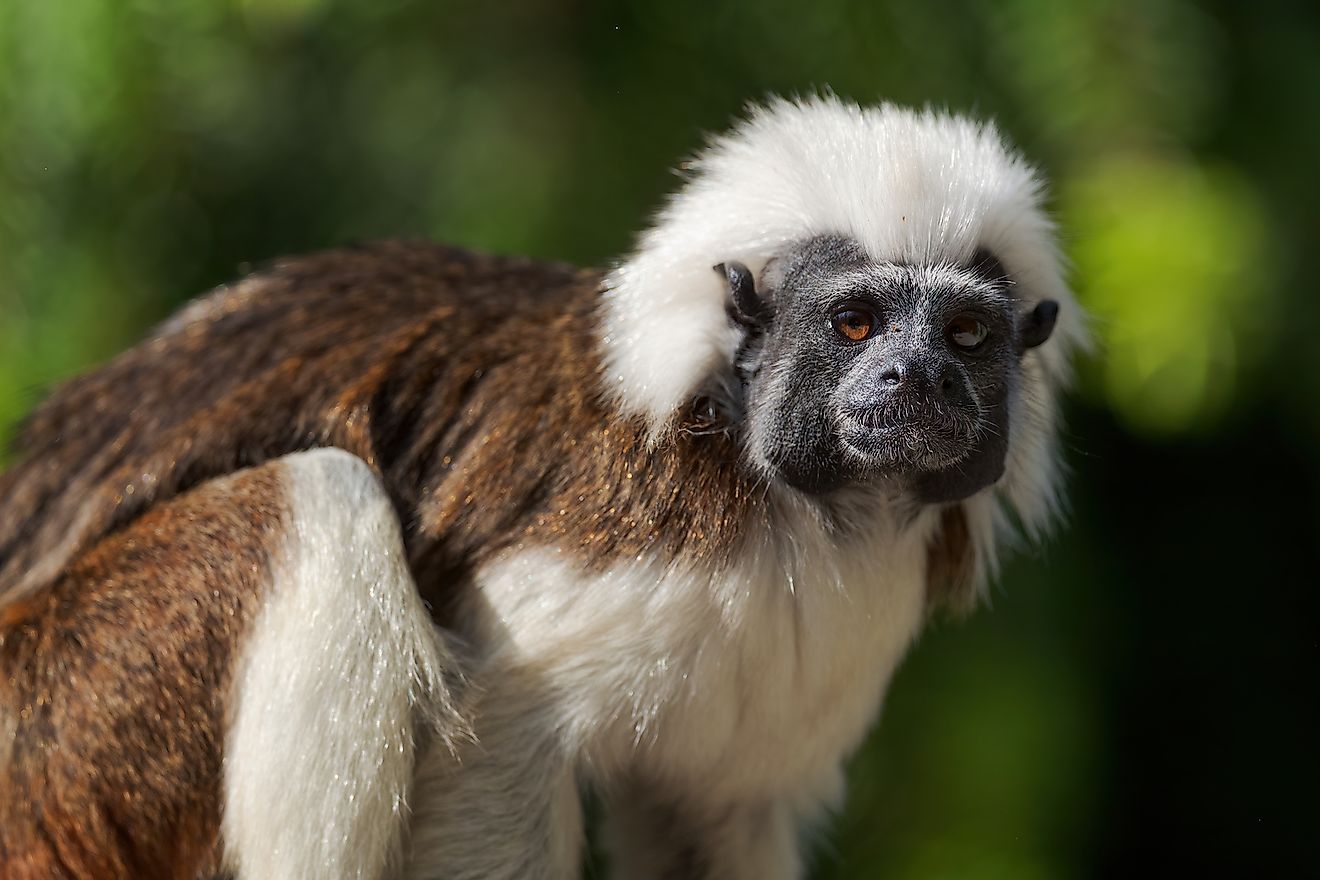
1142, 697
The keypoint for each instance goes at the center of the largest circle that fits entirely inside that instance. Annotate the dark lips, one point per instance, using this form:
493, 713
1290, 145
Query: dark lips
920, 441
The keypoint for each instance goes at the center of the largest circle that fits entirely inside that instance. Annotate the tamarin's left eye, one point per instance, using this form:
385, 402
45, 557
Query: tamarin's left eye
966, 332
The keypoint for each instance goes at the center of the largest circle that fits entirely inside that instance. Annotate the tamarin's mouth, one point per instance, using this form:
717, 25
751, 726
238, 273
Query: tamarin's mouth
908, 438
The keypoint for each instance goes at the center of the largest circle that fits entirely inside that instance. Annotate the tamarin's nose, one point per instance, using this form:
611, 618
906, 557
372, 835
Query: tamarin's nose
905, 374
912, 376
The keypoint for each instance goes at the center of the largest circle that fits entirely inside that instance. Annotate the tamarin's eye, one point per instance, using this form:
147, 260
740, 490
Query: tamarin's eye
966, 332
854, 325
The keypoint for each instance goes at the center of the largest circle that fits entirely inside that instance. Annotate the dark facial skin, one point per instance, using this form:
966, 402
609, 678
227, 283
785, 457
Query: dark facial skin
855, 369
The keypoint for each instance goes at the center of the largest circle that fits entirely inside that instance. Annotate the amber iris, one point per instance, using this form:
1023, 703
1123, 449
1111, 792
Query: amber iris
854, 324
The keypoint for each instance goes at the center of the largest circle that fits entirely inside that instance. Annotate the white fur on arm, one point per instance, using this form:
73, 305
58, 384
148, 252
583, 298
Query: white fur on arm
342, 667
507, 807
756, 840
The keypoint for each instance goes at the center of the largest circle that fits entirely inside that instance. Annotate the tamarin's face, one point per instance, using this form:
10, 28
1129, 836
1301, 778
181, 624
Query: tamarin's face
857, 369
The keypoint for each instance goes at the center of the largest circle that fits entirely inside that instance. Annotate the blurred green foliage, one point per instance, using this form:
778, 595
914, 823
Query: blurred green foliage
1143, 694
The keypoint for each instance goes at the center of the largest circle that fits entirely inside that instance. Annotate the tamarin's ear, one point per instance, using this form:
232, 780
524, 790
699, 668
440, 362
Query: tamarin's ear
1039, 323
745, 306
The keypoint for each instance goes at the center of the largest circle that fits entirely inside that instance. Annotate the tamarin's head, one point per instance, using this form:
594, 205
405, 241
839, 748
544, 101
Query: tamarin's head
856, 368
866, 296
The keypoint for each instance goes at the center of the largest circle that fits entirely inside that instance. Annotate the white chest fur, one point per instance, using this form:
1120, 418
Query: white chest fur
754, 681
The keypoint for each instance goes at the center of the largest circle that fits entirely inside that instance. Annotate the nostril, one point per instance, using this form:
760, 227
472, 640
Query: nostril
891, 376
953, 386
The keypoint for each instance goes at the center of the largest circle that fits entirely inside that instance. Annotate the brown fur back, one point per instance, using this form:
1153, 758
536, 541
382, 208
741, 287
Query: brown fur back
472, 383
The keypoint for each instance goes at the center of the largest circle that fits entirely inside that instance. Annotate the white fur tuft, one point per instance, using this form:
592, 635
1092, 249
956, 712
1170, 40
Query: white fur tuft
341, 668
920, 187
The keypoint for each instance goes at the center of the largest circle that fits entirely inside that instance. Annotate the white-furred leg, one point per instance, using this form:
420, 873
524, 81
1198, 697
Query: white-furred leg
508, 808
341, 669
652, 838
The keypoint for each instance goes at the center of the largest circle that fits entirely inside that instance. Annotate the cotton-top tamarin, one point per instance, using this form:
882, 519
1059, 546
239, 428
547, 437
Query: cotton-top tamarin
365, 565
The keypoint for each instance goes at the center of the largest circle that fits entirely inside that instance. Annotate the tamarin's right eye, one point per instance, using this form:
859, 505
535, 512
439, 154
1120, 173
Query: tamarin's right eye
855, 325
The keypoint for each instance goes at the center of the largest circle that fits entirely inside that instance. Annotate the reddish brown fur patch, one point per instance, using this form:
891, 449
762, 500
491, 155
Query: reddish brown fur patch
15, 613
951, 563
113, 680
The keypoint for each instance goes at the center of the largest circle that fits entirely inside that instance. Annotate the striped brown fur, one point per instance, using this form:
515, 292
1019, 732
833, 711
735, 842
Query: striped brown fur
470, 382
112, 686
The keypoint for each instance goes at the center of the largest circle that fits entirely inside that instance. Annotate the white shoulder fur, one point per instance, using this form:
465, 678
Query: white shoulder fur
908, 186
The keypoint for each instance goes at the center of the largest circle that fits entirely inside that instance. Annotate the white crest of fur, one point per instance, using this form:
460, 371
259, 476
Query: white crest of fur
920, 187
340, 668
